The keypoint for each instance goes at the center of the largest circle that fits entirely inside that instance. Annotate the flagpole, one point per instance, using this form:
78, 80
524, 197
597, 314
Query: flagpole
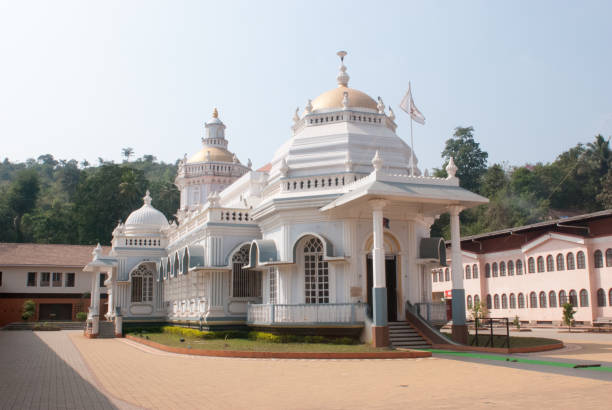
411, 149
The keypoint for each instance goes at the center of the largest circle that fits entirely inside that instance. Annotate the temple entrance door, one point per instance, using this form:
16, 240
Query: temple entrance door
391, 283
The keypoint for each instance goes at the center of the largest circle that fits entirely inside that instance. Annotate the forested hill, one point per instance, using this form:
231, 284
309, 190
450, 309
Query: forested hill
57, 201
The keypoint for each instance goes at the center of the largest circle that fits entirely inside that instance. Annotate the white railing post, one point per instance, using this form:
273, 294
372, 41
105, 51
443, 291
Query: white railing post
272, 314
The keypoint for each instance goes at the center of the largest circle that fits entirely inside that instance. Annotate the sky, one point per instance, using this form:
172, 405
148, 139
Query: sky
84, 79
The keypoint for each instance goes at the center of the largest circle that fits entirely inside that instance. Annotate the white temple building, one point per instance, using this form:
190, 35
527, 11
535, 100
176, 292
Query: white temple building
332, 235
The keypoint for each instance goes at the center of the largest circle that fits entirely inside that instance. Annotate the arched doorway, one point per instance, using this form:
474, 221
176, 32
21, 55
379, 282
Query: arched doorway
392, 276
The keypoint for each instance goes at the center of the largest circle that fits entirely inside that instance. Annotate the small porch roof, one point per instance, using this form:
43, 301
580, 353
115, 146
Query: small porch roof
422, 190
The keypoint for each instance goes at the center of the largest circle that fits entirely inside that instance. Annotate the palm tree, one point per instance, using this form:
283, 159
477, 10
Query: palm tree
599, 154
127, 152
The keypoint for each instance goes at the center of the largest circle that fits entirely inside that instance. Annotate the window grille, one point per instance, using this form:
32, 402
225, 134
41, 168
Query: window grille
533, 300
475, 271
45, 278
580, 260
562, 298
552, 299
31, 279
512, 301
504, 300
542, 299
70, 280
571, 264
601, 298
531, 265
598, 259
584, 298
550, 263
510, 268
519, 267
245, 282
540, 264
316, 273
560, 264
521, 301
56, 279
273, 285
573, 298
142, 284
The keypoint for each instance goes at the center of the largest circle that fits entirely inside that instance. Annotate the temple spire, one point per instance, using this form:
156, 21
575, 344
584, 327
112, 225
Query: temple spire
343, 77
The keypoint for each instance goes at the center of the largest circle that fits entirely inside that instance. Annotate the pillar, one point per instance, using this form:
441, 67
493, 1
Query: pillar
459, 329
380, 327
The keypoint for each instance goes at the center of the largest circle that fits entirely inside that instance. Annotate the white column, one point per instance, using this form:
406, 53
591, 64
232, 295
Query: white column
379, 292
457, 268
96, 295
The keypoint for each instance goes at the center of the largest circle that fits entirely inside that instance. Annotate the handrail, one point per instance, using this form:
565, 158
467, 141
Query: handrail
423, 325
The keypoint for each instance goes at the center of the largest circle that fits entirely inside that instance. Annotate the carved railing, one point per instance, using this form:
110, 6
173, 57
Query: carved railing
305, 314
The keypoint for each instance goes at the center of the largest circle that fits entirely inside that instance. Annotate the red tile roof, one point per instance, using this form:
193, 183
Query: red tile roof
265, 168
35, 254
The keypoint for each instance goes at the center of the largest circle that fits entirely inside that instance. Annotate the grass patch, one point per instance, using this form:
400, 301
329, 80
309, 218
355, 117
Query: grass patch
515, 341
254, 344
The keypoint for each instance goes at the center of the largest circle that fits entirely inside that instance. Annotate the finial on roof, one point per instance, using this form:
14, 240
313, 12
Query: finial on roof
296, 116
308, 107
147, 198
97, 252
215, 113
345, 100
343, 77
391, 114
377, 162
380, 106
451, 168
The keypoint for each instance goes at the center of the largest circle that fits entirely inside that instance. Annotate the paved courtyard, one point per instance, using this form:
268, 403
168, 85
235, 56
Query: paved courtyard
65, 370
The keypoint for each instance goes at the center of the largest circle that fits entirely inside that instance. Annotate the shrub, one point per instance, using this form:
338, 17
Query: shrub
81, 316
29, 310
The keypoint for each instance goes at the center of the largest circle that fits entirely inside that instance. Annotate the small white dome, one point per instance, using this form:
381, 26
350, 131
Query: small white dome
147, 216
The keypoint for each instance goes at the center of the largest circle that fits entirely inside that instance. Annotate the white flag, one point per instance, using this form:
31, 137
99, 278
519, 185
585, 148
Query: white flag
407, 105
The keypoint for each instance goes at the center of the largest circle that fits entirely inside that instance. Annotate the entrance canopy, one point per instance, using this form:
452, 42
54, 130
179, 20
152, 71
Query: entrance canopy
432, 195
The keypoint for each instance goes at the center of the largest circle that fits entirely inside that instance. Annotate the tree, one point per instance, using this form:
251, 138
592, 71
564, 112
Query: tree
127, 153
22, 197
479, 311
28, 310
471, 161
568, 315
105, 196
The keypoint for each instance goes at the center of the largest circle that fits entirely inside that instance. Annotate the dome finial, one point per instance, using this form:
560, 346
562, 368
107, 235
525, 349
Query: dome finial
147, 198
215, 113
343, 77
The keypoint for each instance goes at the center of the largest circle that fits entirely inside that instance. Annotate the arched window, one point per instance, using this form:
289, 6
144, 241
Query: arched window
496, 302
489, 304
469, 302
601, 298
598, 259
245, 282
580, 260
512, 301
475, 271
610, 297
521, 301
540, 264
560, 264
573, 297
519, 267
550, 263
316, 284
487, 270
468, 272
142, 284
531, 265
533, 300
562, 298
552, 299
571, 264
446, 274
502, 269
441, 276
477, 299
510, 268
495, 270
609, 257
435, 276
542, 299
504, 301
584, 298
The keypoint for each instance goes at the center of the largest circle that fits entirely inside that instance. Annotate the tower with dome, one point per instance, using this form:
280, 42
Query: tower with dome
332, 235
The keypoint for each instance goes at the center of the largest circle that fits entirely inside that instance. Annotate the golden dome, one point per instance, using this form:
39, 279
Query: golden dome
333, 99
216, 154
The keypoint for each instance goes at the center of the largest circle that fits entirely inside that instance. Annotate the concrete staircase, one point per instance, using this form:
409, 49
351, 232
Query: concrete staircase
106, 330
403, 335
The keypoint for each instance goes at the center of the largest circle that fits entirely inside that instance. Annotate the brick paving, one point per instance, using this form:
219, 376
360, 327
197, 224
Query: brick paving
65, 370
154, 379
43, 370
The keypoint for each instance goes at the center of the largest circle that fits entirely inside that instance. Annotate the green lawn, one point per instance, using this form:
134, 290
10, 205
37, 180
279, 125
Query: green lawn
515, 341
257, 346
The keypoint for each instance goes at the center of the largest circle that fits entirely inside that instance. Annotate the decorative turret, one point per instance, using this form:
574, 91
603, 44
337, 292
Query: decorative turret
343, 78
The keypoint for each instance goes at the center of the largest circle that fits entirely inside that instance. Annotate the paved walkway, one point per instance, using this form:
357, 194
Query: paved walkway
154, 379
45, 370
